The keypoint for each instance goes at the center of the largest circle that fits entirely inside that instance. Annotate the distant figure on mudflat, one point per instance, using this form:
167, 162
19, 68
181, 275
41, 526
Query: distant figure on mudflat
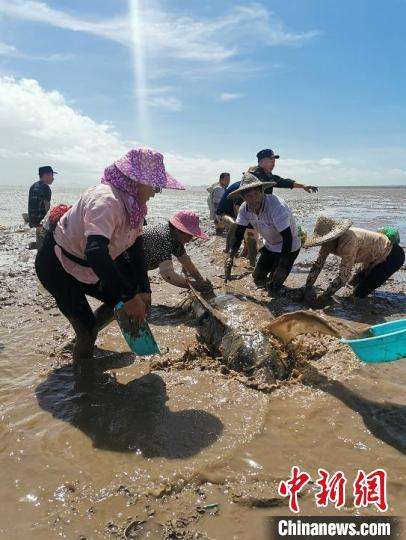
216, 191
39, 199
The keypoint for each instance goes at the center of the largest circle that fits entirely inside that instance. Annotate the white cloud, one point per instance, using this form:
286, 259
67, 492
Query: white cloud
229, 96
11, 50
41, 127
7, 50
268, 28
204, 40
162, 97
169, 103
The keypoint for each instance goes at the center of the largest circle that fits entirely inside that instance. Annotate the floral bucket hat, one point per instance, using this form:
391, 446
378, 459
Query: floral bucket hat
146, 166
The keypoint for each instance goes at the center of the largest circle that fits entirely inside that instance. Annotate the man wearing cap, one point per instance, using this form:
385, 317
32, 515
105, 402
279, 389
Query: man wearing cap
274, 221
374, 251
263, 171
39, 199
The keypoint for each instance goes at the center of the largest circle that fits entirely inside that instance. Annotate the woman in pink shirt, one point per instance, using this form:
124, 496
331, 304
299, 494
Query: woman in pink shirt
78, 259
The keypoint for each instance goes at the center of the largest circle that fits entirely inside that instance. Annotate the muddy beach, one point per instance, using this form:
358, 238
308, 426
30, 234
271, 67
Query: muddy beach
180, 445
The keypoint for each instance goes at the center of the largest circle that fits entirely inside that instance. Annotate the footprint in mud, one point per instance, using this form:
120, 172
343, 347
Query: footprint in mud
128, 417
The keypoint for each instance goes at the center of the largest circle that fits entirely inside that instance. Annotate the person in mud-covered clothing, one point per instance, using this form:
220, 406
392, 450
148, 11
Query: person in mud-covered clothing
376, 254
165, 240
39, 199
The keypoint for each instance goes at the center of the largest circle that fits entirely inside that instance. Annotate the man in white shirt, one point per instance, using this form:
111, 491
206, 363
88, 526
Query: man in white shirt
274, 221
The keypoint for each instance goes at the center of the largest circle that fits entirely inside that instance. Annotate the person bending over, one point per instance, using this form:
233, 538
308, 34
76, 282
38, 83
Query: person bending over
379, 258
165, 240
274, 221
78, 259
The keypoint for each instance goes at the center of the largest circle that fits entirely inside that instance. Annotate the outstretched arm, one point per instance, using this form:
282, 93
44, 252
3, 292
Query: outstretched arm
346, 266
189, 267
238, 237
168, 273
317, 267
309, 189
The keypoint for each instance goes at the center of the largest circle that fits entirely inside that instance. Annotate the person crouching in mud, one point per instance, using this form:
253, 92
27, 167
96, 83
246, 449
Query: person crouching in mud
166, 239
78, 259
274, 221
374, 251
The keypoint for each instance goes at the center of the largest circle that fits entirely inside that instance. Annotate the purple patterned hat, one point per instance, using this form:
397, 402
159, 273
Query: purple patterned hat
146, 166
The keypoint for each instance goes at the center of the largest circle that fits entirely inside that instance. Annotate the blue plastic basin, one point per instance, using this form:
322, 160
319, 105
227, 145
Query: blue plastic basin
388, 327
387, 344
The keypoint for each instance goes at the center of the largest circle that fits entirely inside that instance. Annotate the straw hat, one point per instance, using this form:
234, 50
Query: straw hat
249, 181
327, 229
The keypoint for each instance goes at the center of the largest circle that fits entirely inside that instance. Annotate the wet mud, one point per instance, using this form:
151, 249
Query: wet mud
186, 444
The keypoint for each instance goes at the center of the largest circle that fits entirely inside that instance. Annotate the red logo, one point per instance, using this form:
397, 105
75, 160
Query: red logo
332, 489
371, 489
293, 486
368, 489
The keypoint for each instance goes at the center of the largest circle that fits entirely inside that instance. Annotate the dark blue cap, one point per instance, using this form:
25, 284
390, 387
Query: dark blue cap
266, 153
46, 169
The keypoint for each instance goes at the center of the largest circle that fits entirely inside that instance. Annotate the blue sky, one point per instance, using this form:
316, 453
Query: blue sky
208, 83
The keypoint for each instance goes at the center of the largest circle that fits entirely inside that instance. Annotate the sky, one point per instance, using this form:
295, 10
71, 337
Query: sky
208, 84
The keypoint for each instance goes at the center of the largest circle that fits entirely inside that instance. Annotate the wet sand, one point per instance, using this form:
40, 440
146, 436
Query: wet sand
177, 446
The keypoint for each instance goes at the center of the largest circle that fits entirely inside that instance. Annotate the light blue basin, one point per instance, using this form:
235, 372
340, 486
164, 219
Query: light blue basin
388, 343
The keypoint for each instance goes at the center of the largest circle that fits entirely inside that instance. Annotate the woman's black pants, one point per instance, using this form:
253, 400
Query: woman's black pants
69, 293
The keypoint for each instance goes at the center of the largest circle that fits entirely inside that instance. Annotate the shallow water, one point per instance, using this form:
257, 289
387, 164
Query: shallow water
371, 207
159, 438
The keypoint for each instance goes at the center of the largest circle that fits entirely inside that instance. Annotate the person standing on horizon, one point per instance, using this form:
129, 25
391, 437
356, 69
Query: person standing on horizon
39, 199
263, 171
216, 191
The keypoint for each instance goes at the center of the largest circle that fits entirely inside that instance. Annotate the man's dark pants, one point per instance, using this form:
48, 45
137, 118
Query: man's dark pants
268, 262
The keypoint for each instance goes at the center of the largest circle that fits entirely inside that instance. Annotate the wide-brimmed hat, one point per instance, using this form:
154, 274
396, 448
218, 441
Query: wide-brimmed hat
249, 181
146, 166
188, 222
327, 229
